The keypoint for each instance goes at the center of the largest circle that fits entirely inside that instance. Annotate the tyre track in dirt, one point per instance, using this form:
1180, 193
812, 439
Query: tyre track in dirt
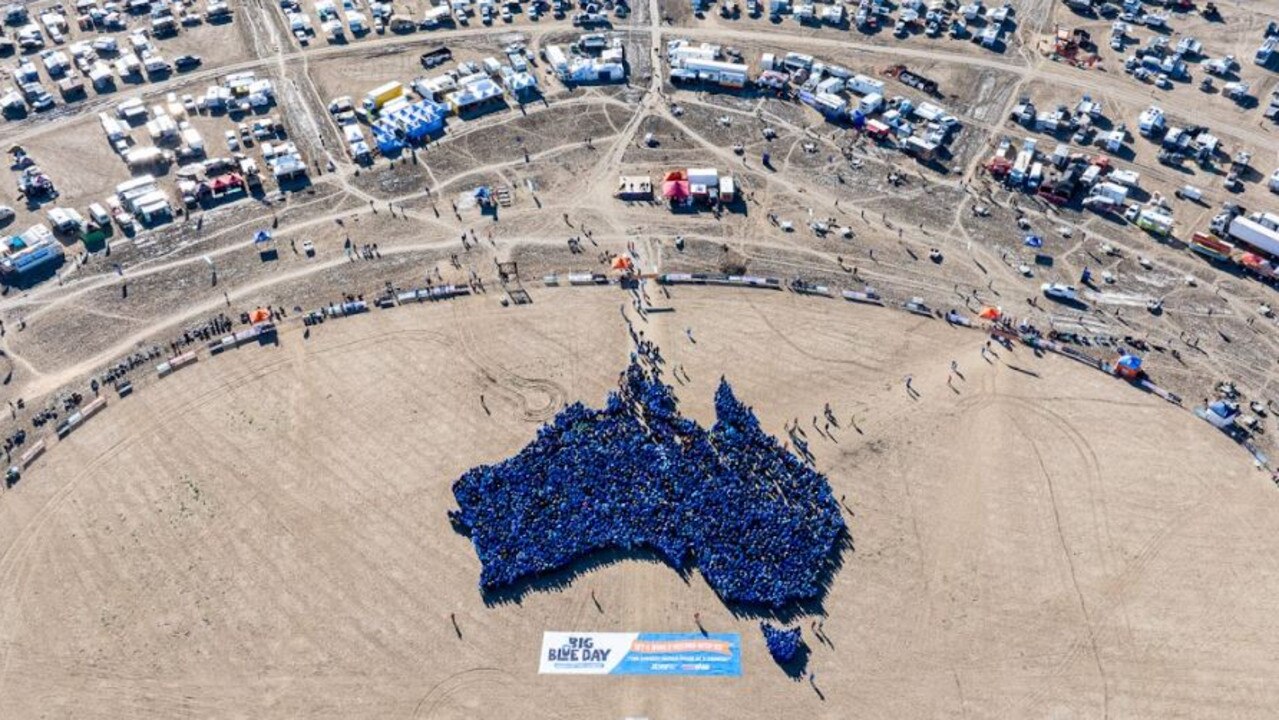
13, 569
518, 388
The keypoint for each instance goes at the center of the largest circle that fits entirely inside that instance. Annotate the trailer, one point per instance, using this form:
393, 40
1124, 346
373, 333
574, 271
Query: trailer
352, 307
1114, 192
1254, 234
78, 418
1127, 178
435, 292
232, 340
1155, 222
867, 296
177, 362
382, 94
1211, 247
33, 452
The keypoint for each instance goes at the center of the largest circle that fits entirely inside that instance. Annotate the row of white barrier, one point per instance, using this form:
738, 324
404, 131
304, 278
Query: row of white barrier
435, 292
78, 418
176, 362
754, 281
236, 339
814, 290
346, 309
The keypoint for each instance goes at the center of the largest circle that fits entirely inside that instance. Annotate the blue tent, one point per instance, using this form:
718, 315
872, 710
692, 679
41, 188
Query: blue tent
261, 236
408, 123
1223, 409
1034, 241
859, 120
482, 193
1132, 362
386, 139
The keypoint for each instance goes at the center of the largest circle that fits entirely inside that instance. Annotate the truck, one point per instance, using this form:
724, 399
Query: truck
1253, 233
437, 17
1127, 178
1151, 121
863, 85
383, 94
1117, 193
1155, 222
1211, 247
1266, 51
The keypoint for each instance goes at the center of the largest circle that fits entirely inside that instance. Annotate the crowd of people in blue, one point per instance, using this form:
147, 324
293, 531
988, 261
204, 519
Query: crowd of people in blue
760, 524
783, 644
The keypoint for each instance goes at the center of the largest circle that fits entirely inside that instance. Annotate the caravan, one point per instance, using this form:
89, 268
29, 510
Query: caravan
1151, 121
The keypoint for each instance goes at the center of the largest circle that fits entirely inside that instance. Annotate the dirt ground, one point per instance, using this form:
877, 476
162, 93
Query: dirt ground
265, 534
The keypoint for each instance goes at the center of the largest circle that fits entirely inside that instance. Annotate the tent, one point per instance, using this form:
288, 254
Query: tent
675, 190
1128, 367
259, 315
265, 244
222, 183
990, 313
1220, 414
623, 263
1223, 409
1131, 362
1033, 241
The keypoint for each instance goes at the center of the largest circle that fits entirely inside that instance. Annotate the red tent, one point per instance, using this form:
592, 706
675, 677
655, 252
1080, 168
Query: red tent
675, 190
222, 183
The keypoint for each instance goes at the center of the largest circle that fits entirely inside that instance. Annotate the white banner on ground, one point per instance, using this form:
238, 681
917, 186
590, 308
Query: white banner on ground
605, 653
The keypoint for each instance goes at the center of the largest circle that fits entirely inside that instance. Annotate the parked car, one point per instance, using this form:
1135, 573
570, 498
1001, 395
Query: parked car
187, 62
6, 214
1058, 291
1189, 192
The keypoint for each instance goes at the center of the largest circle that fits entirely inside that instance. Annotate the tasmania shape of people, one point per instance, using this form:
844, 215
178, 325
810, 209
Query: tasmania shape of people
759, 524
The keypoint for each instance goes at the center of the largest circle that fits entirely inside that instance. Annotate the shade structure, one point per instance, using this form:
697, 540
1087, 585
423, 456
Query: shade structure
222, 183
1131, 362
675, 190
1223, 409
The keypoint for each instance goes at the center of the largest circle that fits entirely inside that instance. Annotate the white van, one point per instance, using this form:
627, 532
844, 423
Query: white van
99, 214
